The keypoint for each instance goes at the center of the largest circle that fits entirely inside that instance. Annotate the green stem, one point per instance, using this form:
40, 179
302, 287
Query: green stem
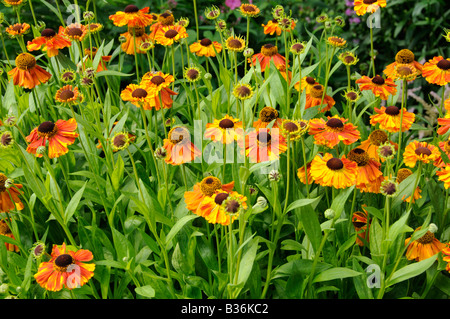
404, 97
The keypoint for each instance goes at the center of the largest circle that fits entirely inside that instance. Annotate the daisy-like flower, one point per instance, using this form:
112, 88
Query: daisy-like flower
13, 3
133, 34
68, 95
389, 188
249, 10
389, 118
180, 149
163, 20
373, 142
445, 147
242, 91
89, 54
403, 56
307, 83
297, 47
269, 52
267, 116
138, 95
379, 86
305, 177
18, 29
158, 83
329, 133
6, 231
424, 247
437, 71
222, 207
59, 135
444, 175
168, 35
362, 7
272, 27
49, 42
27, 73
9, 195
192, 74
348, 58
444, 123
351, 95
67, 75
336, 42
402, 174
369, 176
206, 47
294, 129
317, 98
333, 172
120, 141
446, 250
405, 72
420, 151
262, 145
66, 268
75, 32
286, 23
226, 130
206, 188
235, 44
360, 220
132, 16
94, 27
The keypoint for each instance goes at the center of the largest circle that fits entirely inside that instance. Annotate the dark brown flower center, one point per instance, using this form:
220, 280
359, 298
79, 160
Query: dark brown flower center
335, 123
389, 188
139, 93
25, 61
378, 137
192, 74
63, 260
317, 91
264, 137
6, 139
46, 127
359, 156
220, 198
75, 32
310, 80
352, 96
226, 123
404, 56
335, 164
48, 33
131, 8
170, 34
392, 110
3, 179
243, 91
369, 1
402, 174
232, 206
120, 140
290, 127
205, 42
137, 31
269, 49
248, 8
298, 47
378, 80
349, 59
177, 134
66, 95
444, 64
235, 44
421, 150
268, 114
157, 80
427, 238
17, 27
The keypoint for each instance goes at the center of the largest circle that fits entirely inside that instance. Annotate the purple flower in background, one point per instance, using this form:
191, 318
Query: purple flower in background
233, 4
349, 3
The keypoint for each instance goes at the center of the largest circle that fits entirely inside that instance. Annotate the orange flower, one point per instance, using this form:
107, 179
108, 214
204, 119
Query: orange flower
317, 98
307, 83
168, 35
164, 19
373, 142
17, 29
6, 231
424, 247
68, 95
420, 151
27, 73
138, 95
389, 118
226, 130
222, 207
402, 174
132, 17
272, 27
329, 133
49, 42
444, 175
65, 269
380, 87
90, 55
269, 52
58, 135
9, 197
302, 176
206, 188
158, 83
360, 220
205, 47
437, 71
369, 176
75, 32
333, 172
128, 46
264, 145
445, 124
266, 116
180, 149
404, 56
446, 256
368, 6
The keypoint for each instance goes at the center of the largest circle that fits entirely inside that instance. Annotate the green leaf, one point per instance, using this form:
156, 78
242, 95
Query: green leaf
339, 202
177, 227
302, 202
376, 241
145, 291
112, 73
336, 273
247, 261
73, 204
411, 270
